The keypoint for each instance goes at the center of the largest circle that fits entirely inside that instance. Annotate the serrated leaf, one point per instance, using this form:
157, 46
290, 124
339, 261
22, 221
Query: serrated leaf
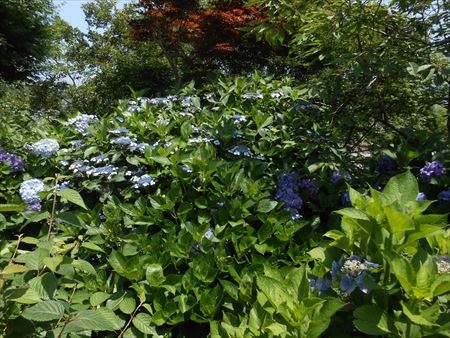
372, 320
161, 160
95, 320
24, 296
143, 322
45, 311
72, 196
98, 298
84, 266
127, 305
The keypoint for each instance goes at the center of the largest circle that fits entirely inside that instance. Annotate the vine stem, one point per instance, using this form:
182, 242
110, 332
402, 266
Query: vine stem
52, 217
122, 332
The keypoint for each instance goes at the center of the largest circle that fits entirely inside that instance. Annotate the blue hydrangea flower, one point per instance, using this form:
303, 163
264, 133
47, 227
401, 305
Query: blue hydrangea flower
241, 150
287, 193
143, 181
122, 141
319, 285
276, 94
45, 148
99, 159
109, 171
238, 119
352, 272
444, 196
309, 185
119, 131
63, 185
35, 206
432, 169
30, 189
81, 123
386, 164
15, 162
421, 197
335, 177
208, 235
345, 199
186, 168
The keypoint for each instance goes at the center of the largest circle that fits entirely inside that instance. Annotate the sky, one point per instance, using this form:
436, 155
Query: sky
70, 11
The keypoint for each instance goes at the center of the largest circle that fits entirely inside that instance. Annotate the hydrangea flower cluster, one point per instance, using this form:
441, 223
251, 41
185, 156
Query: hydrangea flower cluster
443, 264
432, 170
30, 189
45, 148
336, 177
352, 272
132, 145
253, 96
238, 119
309, 185
421, 197
208, 235
81, 123
241, 151
15, 162
288, 193
386, 164
143, 181
444, 196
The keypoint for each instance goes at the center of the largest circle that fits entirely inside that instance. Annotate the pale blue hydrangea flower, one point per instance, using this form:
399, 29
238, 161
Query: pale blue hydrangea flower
81, 122
122, 141
45, 148
99, 159
352, 271
30, 189
253, 96
108, 171
80, 167
119, 131
186, 168
421, 197
138, 147
216, 142
241, 151
63, 185
143, 181
200, 139
238, 119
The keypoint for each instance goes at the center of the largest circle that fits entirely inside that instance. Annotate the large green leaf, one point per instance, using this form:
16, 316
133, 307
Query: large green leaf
372, 320
45, 311
95, 320
72, 196
143, 322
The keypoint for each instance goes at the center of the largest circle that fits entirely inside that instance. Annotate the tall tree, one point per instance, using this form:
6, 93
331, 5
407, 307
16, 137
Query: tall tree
24, 36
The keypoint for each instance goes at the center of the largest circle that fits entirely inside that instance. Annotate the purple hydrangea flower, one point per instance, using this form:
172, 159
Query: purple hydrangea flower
444, 196
15, 162
345, 199
287, 193
432, 169
319, 285
35, 206
421, 197
335, 177
386, 164
309, 185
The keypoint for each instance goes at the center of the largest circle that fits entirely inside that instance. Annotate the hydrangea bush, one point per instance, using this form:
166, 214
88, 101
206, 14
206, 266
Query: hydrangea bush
219, 214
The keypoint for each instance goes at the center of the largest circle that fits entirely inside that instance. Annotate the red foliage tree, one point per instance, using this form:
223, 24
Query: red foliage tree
203, 38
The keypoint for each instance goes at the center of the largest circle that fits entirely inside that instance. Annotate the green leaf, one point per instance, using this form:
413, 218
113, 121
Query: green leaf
161, 160
118, 263
53, 262
415, 318
155, 274
92, 246
14, 268
45, 311
266, 205
12, 207
401, 188
98, 298
101, 319
372, 320
72, 196
127, 305
143, 322
84, 266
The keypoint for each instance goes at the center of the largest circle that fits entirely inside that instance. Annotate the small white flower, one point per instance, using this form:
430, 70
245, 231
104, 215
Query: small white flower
253, 96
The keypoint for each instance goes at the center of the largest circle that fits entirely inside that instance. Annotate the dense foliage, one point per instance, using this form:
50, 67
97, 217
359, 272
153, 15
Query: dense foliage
254, 205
